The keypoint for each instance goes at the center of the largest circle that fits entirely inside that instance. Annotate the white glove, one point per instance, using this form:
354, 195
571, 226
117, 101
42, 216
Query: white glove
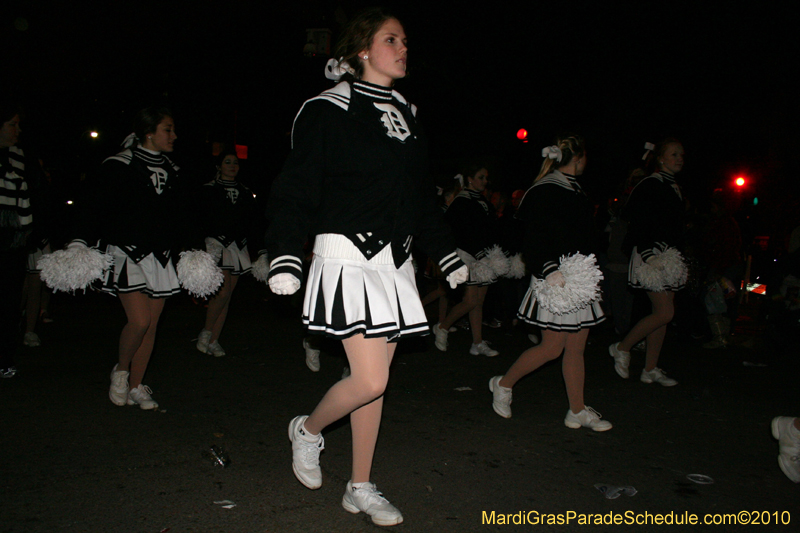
284, 283
556, 278
76, 244
460, 275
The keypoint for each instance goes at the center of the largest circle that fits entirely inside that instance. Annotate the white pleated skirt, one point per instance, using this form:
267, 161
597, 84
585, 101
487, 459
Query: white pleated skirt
633, 280
531, 312
148, 275
346, 294
34, 257
233, 259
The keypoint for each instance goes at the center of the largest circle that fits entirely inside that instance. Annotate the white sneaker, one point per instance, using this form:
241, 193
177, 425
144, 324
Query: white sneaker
118, 392
141, 396
789, 457
657, 376
621, 360
312, 356
501, 397
31, 339
588, 418
483, 349
440, 336
215, 349
367, 499
305, 453
203, 339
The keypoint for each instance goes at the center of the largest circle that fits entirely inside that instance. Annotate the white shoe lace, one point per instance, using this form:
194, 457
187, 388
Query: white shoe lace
371, 495
142, 393
312, 450
593, 414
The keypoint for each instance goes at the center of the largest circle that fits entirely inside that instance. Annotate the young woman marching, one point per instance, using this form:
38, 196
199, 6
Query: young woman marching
229, 217
471, 217
136, 215
357, 170
557, 216
656, 225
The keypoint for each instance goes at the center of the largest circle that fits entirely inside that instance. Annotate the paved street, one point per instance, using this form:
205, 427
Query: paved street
77, 463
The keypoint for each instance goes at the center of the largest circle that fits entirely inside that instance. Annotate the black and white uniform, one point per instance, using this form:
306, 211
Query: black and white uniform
357, 179
656, 222
557, 219
228, 217
137, 215
472, 219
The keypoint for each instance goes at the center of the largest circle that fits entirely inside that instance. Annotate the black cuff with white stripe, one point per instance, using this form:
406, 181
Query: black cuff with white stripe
450, 263
647, 254
548, 268
286, 264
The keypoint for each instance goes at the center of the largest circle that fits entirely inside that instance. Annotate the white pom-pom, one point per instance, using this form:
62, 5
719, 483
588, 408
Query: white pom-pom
74, 268
260, 269
582, 285
479, 271
516, 268
666, 269
498, 261
199, 273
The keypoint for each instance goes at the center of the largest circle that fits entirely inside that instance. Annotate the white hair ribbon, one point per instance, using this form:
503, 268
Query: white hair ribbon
460, 179
336, 68
130, 140
552, 152
648, 147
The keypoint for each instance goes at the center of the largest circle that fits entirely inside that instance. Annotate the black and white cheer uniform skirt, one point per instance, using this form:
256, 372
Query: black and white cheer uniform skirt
346, 294
148, 275
633, 280
233, 259
531, 312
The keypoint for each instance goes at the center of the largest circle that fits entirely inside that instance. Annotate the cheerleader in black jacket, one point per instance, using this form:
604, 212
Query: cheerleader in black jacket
557, 216
135, 213
228, 217
472, 219
356, 178
656, 219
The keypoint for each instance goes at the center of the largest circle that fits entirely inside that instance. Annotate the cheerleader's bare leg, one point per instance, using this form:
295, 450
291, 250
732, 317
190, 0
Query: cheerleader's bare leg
219, 304
572, 367
653, 327
476, 315
361, 396
553, 343
467, 304
139, 334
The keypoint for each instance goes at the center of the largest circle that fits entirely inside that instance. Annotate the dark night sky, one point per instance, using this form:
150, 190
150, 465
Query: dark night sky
715, 74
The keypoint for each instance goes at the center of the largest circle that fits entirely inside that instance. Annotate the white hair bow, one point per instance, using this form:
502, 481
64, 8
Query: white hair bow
130, 140
336, 68
460, 179
648, 147
552, 152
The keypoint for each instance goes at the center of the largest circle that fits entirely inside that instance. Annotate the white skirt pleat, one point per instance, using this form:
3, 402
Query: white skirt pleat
348, 296
531, 312
147, 276
233, 259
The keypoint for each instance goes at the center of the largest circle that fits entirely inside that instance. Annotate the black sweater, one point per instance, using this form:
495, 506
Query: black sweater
557, 217
656, 215
139, 205
472, 220
358, 165
229, 213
